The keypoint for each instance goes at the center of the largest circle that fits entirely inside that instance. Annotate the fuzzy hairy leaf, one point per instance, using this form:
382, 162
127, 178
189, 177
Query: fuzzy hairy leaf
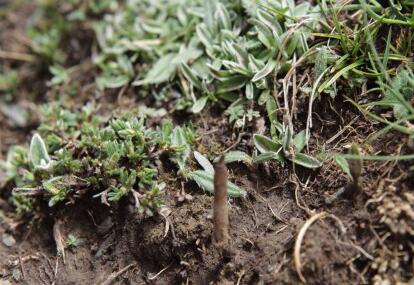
179, 141
263, 157
204, 162
249, 91
343, 164
232, 83
269, 67
306, 161
191, 76
205, 180
161, 71
233, 156
265, 34
38, 154
265, 144
199, 104
299, 141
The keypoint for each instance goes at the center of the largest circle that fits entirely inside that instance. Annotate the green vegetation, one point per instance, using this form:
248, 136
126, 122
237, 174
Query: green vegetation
72, 241
118, 156
248, 58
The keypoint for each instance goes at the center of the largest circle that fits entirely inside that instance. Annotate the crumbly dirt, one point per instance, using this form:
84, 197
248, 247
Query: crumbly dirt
120, 246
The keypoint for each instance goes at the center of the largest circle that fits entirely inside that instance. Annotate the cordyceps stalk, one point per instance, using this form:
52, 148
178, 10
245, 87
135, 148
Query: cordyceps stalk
221, 212
355, 168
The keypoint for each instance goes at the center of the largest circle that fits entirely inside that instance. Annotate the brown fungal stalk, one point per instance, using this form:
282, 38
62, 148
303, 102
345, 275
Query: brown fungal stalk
221, 213
355, 168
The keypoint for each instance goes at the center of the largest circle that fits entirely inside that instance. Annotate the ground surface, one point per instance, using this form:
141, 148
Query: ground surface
354, 243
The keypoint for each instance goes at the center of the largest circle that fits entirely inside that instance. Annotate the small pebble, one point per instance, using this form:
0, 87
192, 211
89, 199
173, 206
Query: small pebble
8, 240
5, 282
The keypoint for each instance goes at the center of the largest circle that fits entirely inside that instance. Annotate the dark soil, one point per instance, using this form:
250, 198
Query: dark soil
376, 246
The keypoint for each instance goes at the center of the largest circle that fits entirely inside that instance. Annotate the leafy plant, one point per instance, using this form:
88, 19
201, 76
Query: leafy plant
117, 157
38, 155
284, 146
72, 241
205, 178
400, 93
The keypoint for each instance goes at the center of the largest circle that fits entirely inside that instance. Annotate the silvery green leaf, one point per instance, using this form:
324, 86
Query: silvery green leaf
301, 10
286, 137
255, 64
187, 54
190, 75
38, 155
249, 91
162, 71
268, 68
306, 161
231, 83
263, 157
275, 126
299, 141
262, 84
242, 55
343, 164
265, 34
235, 67
204, 35
264, 97
233, 156
209, 12
204, 162
223, 16
111, 81
294, 41
321, 62
179, 141
205, 180
199, 104
265, 144
269, 20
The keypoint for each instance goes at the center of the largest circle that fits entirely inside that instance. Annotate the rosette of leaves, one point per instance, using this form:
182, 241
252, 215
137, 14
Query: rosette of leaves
283, 144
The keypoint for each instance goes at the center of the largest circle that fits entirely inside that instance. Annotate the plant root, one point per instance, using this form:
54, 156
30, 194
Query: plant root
60, 242
111, 278
301, 235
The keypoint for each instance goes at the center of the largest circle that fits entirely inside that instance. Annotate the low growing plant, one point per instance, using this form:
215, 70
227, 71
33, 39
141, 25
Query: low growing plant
74, 153
284, 148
